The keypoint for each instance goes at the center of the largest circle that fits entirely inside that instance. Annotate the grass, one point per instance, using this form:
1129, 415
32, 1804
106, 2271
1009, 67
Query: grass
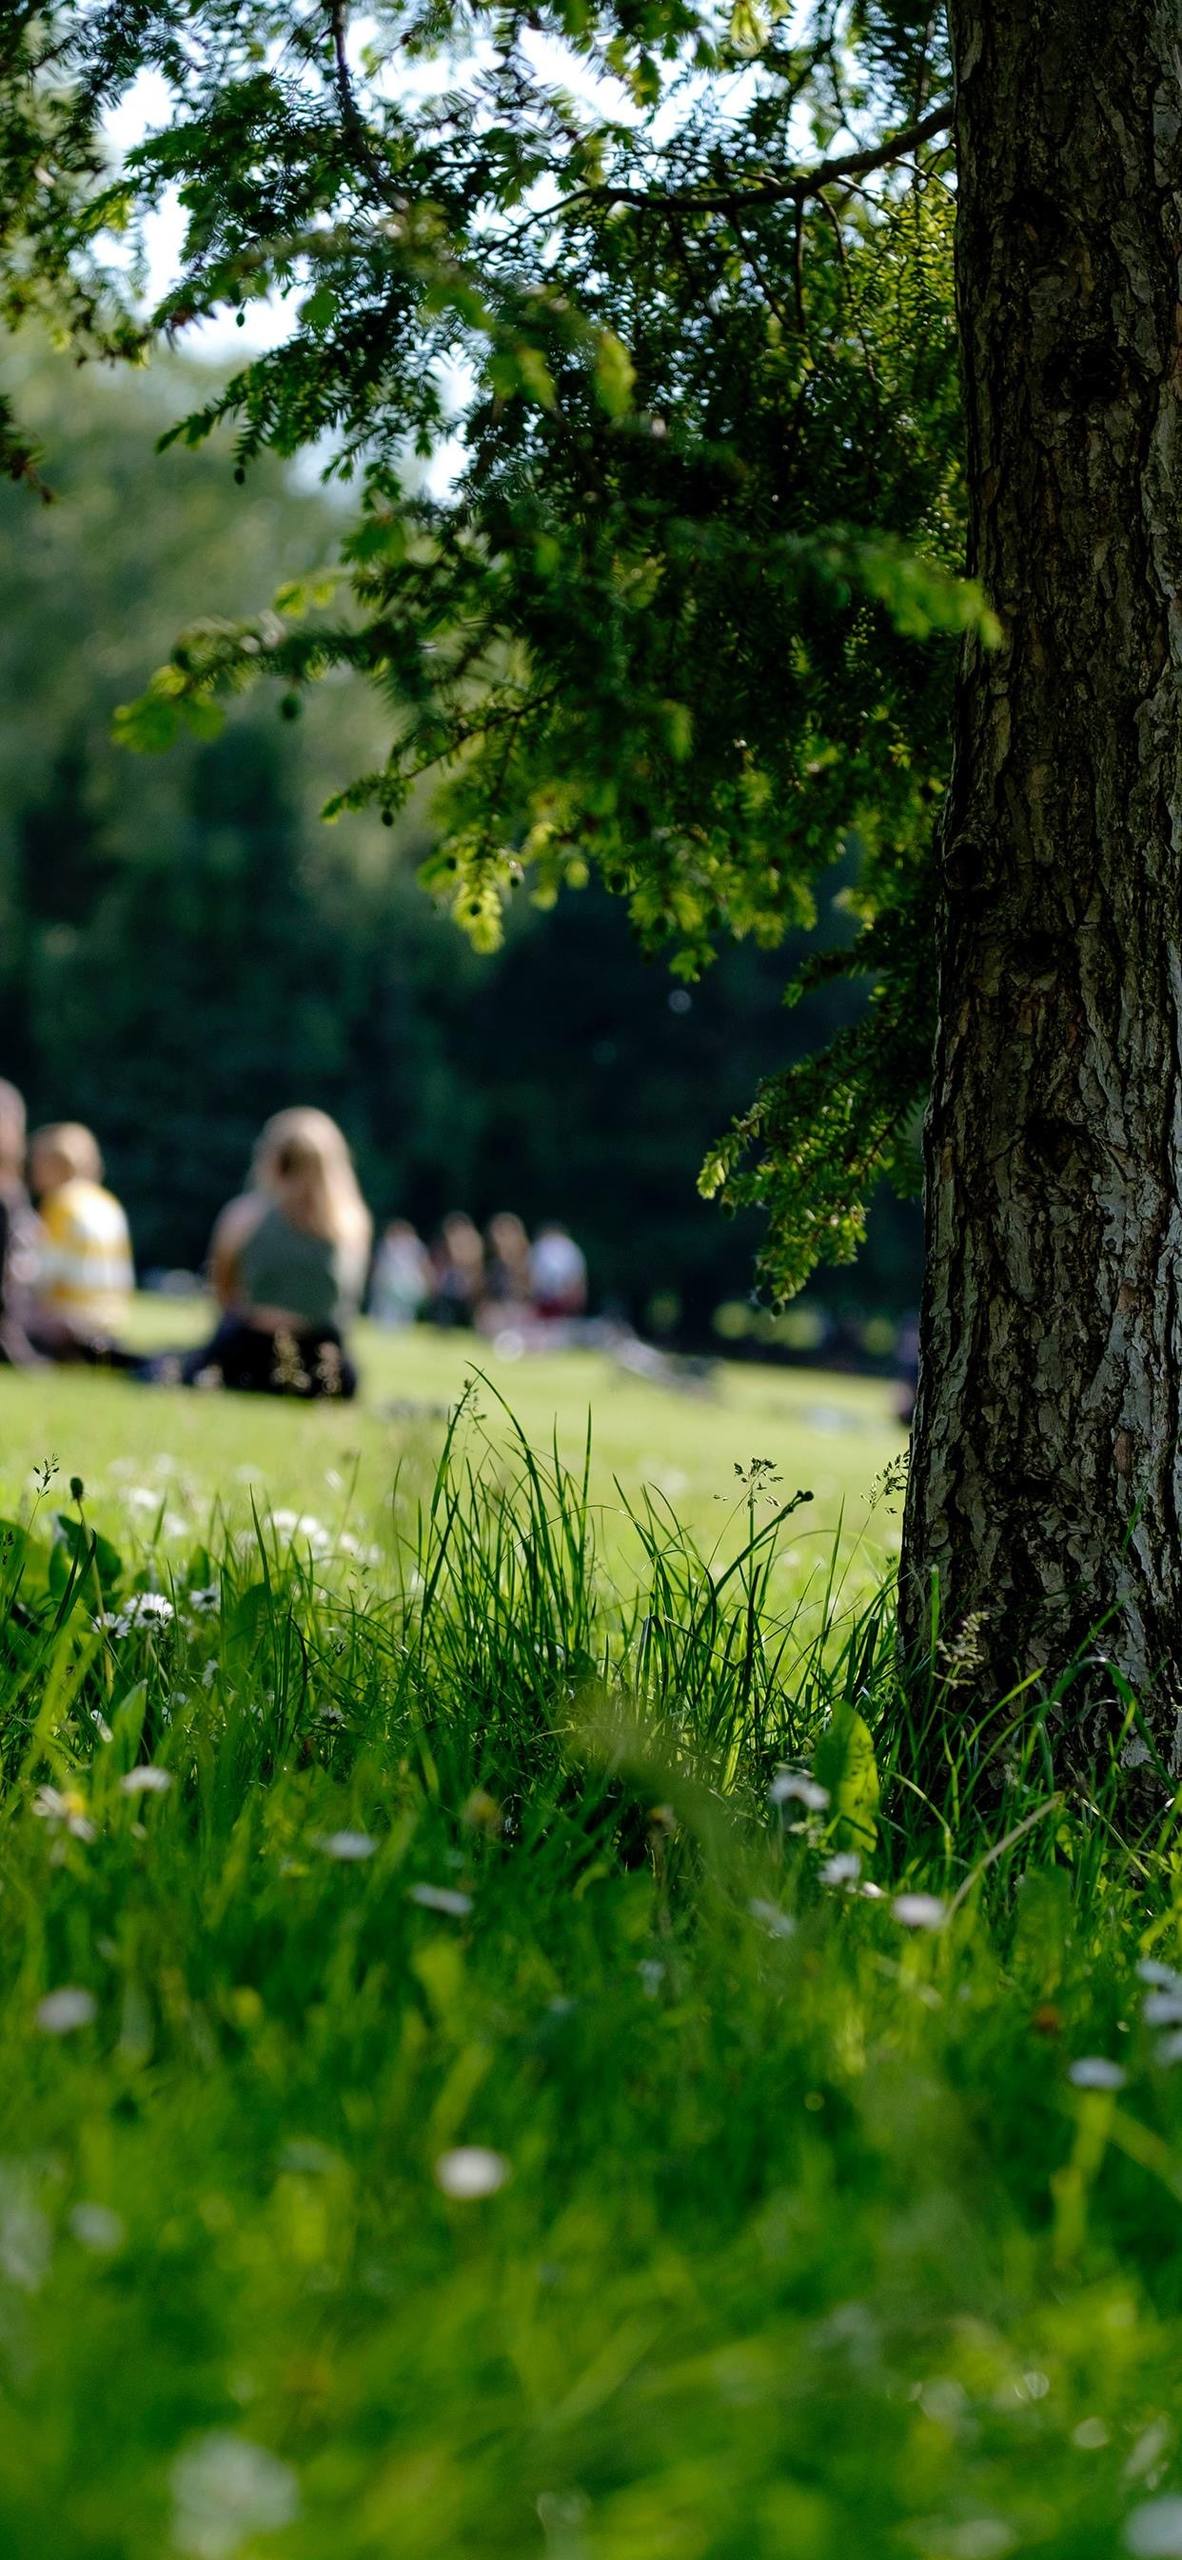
459, 2098
829, 1433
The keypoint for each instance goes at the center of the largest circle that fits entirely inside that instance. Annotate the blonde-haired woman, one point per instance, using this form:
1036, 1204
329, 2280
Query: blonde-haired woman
288, 1263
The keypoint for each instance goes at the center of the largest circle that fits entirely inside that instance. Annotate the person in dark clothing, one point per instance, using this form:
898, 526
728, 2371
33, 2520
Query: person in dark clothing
458, 1261
506, 1262
288, 1263
18, 1237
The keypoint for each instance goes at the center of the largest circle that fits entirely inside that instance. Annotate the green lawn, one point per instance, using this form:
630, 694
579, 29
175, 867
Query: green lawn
828, 1434
489, 2065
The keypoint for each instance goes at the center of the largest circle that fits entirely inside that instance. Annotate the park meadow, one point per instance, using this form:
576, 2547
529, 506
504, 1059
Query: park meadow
498, 2057
590, 815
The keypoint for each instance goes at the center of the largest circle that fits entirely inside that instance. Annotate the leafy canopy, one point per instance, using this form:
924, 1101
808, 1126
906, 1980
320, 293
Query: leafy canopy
630, 322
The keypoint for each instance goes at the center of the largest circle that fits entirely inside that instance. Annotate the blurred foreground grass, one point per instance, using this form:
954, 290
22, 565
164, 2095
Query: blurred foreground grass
481, 2074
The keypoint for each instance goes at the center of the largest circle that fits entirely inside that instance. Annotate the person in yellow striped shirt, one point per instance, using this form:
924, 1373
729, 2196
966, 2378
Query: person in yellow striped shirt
86, 1275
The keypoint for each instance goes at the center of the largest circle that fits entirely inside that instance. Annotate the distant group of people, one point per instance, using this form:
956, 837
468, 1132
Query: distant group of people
65, 1264
499, 1281
289, 1262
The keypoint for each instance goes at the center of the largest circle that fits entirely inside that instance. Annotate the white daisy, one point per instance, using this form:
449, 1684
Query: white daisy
794, 1786
145, 1781
919, 1910
62, 2011
440, 1897
1095, 2071
471, 2171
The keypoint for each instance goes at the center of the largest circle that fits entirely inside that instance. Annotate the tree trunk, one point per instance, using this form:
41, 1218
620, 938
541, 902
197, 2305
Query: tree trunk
1046, 1481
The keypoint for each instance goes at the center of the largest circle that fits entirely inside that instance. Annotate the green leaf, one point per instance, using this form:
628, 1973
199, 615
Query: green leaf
24, 1564
245, 1625
148, 726
844, 1762
206, 719
678, 722
521, 371
78, 1548
614, 374
377, 537
320, 309
127, 1724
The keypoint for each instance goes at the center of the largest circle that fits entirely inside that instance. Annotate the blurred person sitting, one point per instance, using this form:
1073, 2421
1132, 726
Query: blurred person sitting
401, 1282
287, 1262
558, 1274
458, 1263
85, 1275
19, 1235
506, 1262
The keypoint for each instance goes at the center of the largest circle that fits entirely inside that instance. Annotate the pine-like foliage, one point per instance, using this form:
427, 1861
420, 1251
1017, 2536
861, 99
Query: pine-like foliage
632, 326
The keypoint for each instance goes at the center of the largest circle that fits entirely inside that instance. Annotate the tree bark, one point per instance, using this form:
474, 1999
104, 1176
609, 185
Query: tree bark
1046, 1483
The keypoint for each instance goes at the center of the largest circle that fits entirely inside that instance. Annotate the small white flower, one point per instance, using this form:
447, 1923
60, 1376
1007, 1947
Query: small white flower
144, 1609
1154, 2531
95, 2227
348, 1846
358, 1548
146, 1781
471, 2172
203, 1603
560, 2514
652, 1975
225, 2491
303, 1525
843, 1868
440, 1897
61, 2011
1170, 2049
209, 1675
1095, 2071
1162, 1977
65, 1811
794, 1786
777, 1923
871, 1892
1162, 2009
919, 1910
980, 2538
1152, 2442
26, 2239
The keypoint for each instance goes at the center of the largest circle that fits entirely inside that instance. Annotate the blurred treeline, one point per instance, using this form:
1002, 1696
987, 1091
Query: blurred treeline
184, 946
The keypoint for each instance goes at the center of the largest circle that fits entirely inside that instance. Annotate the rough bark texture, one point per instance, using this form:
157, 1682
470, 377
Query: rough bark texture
1046, 1486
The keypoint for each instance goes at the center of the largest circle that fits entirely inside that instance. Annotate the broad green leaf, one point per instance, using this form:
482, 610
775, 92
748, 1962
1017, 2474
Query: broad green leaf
844, 1762
24, 1563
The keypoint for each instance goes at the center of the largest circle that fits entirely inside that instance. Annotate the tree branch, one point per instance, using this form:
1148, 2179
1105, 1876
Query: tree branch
794, 189
351, 117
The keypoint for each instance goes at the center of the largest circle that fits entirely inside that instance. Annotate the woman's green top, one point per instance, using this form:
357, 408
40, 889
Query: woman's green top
281, 1265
